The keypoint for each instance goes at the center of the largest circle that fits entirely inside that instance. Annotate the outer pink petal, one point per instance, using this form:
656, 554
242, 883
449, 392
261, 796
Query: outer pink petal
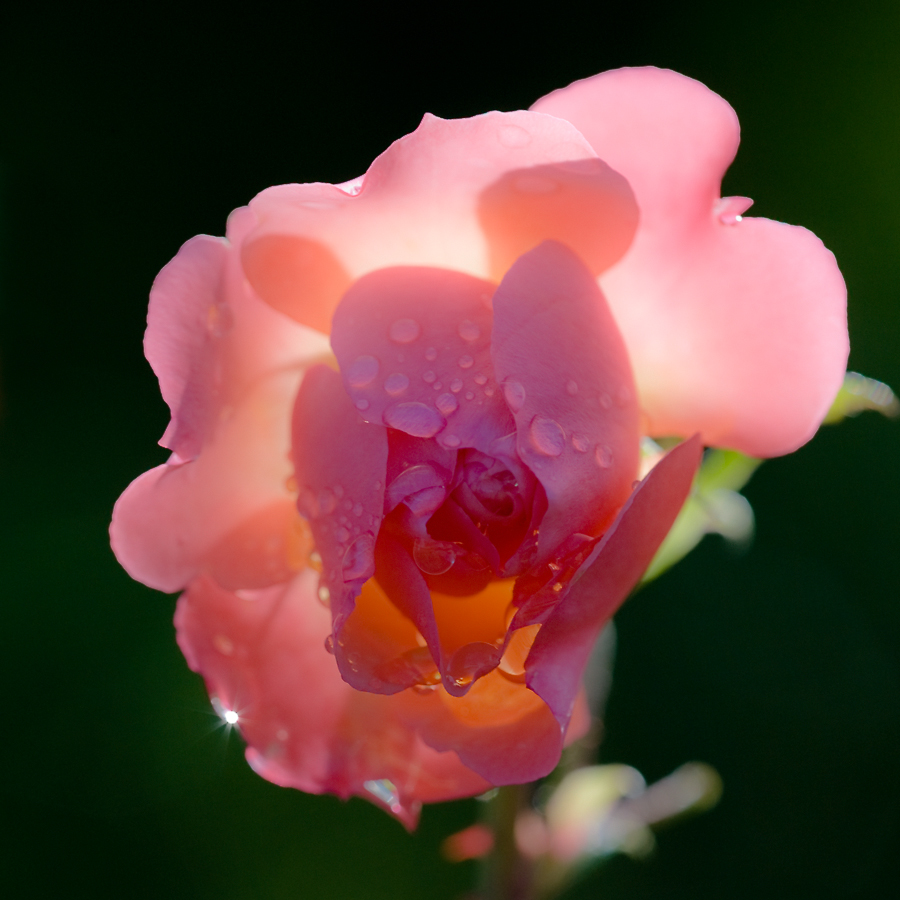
262, 655
169, 522
735, 328
418, 205
561, 648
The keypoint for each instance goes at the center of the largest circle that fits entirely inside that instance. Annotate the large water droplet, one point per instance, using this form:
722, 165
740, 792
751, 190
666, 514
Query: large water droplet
447, 404
362, 371
415, 419
434, 557
469, 330
396, 384
515, 395
547, 436
604, 456
466, 362
404, 331
359, 560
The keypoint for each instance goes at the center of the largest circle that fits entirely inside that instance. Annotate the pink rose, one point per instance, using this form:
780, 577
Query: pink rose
398, 549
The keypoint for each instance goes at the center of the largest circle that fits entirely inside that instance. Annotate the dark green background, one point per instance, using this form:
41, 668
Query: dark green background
123, 134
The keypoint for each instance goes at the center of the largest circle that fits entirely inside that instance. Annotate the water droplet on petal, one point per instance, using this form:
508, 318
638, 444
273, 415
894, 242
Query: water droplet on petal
729, 210
219, 319
384, 790
466, 362
404, 331
329, 647
358, 510
223, 644
359, 560
547, 436
327, 501
572, 388
415, 419
437, 386
362, 404
456, 385
431, 354
447, 404
470, 395
469, 330
434, 557
396, 384
342, 535
580, 443
513, 136
515, 395
429, 377
324, 595
480, 378
489, 391
604, 456
449, 440
362, 371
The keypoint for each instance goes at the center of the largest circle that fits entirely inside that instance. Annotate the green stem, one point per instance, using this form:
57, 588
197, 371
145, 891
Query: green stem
505, 873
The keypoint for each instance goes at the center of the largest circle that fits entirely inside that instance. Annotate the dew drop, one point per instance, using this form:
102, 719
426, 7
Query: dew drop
342, 535
466, 362
431, 354
324, 595
515, 395
347, 505
429, 377
447, 403
729, 210
358, 510
223, 644
396, 384
547, 436
327, 501
489, 392
513, 136
603, 455
338, 491
359, 560
470, 395
456, 385
480, 378
414, 418
449, 440
580, 443
362, 404
362, 371
434, 557
572, 388
469, 330
404, 331
329, 648
283, 734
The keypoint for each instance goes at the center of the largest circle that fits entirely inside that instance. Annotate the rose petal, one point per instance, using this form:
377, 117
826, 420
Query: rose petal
417, 204
171, 523
736, 330
262, 655
568, 382
414, 349
561, 648
340, 464
583, 204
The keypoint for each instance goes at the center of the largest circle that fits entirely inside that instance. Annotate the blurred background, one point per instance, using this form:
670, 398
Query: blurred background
124, 133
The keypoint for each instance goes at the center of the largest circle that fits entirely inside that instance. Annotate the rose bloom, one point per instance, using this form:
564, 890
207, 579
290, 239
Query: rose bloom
407, 411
